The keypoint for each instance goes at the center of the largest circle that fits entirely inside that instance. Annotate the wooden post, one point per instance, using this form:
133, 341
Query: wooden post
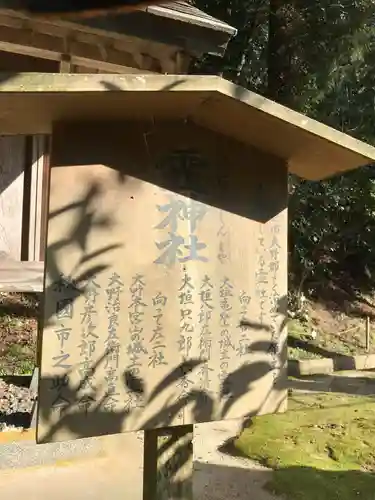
367, 333
168, 463
66, 64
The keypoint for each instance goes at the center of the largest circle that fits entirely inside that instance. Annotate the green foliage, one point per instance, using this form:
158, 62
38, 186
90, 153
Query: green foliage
244, 61
316, 57
332, 227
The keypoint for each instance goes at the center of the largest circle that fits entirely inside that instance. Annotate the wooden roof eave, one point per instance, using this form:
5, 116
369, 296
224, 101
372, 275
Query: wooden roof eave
31, 103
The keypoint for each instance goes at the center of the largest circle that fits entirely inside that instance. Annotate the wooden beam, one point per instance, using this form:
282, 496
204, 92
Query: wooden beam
86, 47
28, 42
21, 276
36, 197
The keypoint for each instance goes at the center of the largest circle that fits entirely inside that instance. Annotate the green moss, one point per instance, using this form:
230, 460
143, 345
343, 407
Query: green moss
323, 448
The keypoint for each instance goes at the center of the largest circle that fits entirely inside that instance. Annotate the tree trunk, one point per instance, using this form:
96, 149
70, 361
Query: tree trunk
280, 49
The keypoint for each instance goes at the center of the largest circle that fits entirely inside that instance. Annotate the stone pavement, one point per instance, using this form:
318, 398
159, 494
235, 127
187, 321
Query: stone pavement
110, 468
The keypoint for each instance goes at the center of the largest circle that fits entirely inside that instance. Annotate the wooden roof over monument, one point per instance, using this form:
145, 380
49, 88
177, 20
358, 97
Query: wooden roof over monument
31, 103
151, 39
174, 23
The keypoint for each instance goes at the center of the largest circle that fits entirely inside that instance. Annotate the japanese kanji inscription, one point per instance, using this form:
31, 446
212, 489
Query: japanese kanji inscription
165, 292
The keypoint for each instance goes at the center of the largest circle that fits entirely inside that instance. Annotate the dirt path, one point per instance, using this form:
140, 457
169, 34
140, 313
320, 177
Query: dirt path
222, 476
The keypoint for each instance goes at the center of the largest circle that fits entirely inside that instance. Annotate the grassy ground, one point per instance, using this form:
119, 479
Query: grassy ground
322, 448
18, 332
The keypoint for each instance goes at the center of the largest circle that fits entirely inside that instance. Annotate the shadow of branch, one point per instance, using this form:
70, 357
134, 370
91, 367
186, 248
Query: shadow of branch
85, 418
83, 411
85, 220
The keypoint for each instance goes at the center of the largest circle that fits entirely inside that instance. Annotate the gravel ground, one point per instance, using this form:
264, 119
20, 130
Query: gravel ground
16, 403
219, 473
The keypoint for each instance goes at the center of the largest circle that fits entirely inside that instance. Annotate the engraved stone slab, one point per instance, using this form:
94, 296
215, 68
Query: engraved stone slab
166, 276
